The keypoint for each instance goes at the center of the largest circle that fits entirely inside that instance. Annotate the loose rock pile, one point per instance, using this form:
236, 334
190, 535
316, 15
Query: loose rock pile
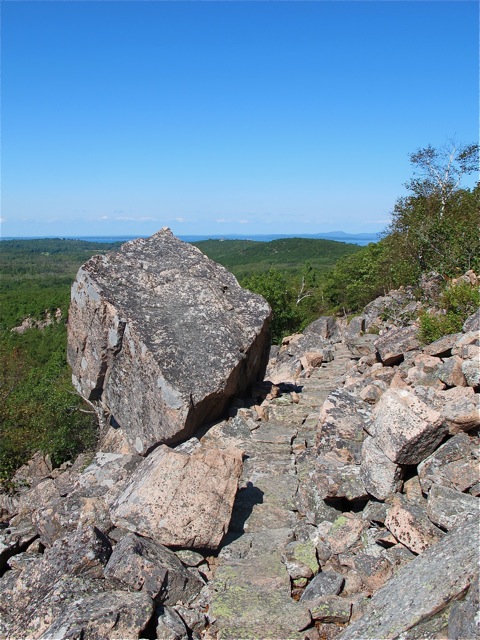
354, 513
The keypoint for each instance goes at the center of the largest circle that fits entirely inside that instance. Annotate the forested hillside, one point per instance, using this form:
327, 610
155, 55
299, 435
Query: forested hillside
435, 228
246, 257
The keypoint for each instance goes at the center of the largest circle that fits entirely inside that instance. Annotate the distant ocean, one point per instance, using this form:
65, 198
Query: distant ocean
339, 236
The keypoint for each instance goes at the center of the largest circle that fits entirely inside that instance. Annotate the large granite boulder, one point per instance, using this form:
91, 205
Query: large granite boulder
162, 338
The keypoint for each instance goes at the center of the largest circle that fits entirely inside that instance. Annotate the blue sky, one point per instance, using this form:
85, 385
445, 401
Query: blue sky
119, 117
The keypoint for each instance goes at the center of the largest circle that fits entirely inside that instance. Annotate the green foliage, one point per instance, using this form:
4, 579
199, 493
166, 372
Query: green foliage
434, 228
38, 406
39, 409
435, 236
356, 280
273, 285
457, 303
433, 327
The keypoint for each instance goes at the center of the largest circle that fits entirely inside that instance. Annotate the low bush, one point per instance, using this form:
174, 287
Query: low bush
456, 302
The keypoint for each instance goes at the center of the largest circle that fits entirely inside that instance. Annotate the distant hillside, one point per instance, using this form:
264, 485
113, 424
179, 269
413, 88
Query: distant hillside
244, 257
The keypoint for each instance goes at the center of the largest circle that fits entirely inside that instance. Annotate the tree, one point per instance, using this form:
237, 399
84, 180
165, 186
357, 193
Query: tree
273, 285
440, 171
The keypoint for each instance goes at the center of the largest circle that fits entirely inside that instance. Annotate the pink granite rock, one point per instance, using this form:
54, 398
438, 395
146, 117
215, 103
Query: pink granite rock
392, 346
411, 526
381, 476
179, 499
405, 428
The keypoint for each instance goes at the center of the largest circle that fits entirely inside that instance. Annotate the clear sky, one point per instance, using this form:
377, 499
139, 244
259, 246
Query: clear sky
119, 118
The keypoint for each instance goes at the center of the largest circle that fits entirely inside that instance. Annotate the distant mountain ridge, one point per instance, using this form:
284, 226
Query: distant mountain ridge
339, 236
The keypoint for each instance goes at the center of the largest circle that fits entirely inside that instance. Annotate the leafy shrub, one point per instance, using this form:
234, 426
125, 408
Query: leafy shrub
458, 302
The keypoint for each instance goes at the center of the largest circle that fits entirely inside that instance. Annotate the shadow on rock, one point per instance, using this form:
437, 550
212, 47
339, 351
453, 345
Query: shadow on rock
245, 500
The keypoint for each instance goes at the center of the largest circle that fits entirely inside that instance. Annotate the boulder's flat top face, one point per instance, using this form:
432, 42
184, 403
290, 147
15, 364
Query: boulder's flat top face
182, 304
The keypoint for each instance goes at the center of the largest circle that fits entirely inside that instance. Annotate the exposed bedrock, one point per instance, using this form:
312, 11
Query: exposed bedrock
162, 338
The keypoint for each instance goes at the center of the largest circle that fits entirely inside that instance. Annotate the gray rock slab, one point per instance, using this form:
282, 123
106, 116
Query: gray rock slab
325, 583
333, 479
14, 541
450, 372
342, 422
452, 465
143, 565
179, 499
422, 588
112, 615
472, 323
471, 371
251, 597
331, 608
446, 507
170, 625
464, 621
163, 338
83, 555
443, 346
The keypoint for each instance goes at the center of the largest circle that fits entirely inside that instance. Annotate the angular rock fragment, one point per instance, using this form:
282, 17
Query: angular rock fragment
323, 584
345, 532
472, 323
143, 565
450, 372
163, 338
464, 621
65, 573
424, 373
471, 371
395, 343
405, 428
170, 625
342, 422
459, 406
327, 327
114, 615
333, 479
466, 345
442, 348
34, 471
331, 609
14, 541
179, 499
355, 327
379, 474
452, 465
446, 507
300, 559
373, 571
411, 526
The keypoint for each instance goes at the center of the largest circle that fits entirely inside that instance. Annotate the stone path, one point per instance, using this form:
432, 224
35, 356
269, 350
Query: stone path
251, 590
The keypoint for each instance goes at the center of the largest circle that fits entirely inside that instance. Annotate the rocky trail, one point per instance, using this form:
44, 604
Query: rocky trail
252, 591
